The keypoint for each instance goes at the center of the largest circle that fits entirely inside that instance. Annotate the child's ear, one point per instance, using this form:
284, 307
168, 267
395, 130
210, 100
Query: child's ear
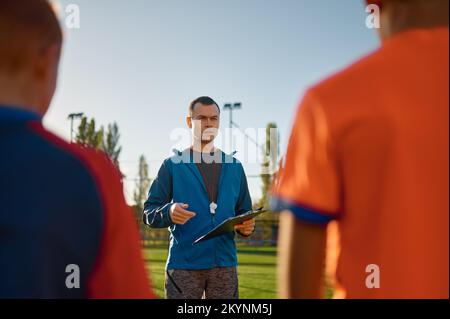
45, 63
189, 122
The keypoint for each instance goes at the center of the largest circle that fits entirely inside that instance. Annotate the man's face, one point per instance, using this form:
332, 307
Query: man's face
204, 122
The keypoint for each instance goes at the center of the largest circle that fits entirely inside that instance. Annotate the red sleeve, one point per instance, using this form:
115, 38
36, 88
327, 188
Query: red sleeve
119, 271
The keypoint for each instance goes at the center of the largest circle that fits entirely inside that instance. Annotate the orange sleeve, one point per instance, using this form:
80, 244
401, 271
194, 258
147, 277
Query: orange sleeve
119, 271
308, 181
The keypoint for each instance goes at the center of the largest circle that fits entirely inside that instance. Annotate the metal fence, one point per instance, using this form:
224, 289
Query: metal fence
266, 234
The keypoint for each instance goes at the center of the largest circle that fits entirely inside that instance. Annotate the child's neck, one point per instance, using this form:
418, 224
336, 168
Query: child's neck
17, 96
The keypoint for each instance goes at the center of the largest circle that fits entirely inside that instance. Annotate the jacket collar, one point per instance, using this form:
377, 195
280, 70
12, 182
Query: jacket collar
15, 114
185, 158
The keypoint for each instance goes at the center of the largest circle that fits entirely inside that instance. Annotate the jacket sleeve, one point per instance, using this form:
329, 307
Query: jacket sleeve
244, 202
156, 208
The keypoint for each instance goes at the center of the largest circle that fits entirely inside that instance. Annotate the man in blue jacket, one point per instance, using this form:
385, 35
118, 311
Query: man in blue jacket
196, 190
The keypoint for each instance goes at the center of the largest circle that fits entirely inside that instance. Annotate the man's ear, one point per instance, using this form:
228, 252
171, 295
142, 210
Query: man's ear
189, 122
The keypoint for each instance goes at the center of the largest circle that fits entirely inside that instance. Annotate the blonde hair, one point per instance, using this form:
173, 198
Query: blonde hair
26, 28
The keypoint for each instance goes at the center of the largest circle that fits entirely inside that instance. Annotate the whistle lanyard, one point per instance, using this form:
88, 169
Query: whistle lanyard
212, 196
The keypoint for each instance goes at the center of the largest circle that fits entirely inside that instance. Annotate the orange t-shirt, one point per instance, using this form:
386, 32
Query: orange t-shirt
370, 148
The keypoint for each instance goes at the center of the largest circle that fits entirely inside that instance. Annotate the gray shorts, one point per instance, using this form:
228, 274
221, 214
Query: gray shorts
216, 283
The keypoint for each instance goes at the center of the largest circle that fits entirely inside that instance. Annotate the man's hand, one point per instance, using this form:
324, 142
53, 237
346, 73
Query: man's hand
179, 214
246, 228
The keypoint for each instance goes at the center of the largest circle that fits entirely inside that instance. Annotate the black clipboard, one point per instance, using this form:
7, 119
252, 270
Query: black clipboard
227, 226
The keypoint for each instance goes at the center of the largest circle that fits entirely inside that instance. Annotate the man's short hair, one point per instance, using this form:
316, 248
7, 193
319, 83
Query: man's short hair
26, 28
205, 100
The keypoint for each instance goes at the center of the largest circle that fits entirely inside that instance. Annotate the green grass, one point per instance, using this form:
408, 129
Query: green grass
257, 267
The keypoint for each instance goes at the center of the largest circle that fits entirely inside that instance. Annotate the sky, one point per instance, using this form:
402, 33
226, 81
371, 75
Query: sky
139, 63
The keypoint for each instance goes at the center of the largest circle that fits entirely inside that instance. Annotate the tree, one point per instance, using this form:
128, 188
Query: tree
98, 139
142, 184
81, 137
111, 143
140, 196
89, 136
268, 229
270, 159
140, 193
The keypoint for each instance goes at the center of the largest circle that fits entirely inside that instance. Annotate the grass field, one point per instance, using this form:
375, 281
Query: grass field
256, 271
